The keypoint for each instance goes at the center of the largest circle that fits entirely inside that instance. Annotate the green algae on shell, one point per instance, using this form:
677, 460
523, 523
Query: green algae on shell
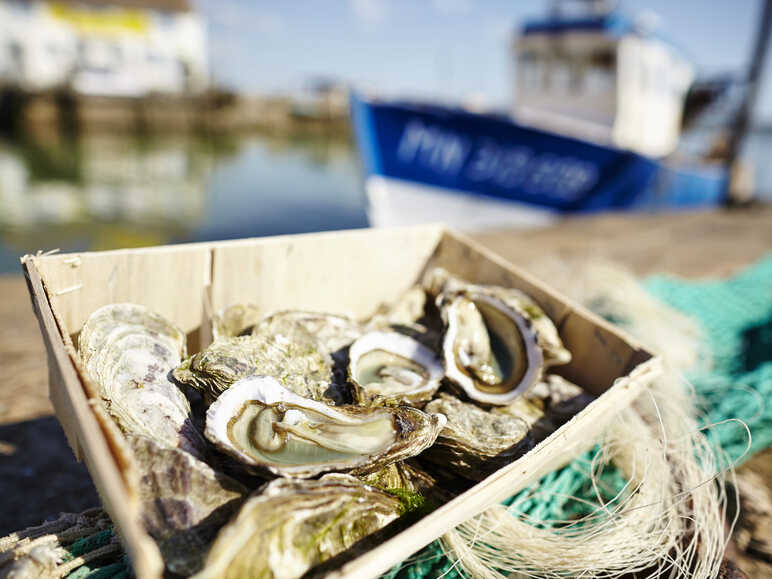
292, 525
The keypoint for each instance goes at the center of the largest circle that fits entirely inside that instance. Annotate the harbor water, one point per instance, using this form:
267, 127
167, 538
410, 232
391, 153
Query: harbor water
105, 192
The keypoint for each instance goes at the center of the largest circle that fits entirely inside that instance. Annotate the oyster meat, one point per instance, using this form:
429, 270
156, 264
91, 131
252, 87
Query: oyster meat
393, 368
268, 427
476, 442
293, 525
297, 363
441, 283
128, 352
489, 349
184, 502
236, 320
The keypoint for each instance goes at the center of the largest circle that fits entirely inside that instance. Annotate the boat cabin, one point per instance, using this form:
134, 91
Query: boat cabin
597, 75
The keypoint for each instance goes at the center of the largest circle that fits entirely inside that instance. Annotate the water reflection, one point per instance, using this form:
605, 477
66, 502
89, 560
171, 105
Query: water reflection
102, 191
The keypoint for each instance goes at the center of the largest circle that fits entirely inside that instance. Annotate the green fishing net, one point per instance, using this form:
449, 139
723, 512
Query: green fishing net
736, 317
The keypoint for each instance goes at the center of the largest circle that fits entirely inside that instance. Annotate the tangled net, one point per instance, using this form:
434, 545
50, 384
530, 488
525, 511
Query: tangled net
650, 499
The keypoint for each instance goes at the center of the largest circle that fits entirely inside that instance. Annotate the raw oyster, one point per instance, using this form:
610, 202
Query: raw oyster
393, 368
235, 320
474, 441
331, 332
129, 351
293, 525
489, 349
184, 502
297, 363
441, 283
268, 427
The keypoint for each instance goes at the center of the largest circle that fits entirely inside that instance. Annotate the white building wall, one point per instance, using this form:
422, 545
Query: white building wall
39, 51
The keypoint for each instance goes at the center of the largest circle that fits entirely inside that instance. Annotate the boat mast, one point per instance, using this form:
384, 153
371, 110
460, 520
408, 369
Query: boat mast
753, 80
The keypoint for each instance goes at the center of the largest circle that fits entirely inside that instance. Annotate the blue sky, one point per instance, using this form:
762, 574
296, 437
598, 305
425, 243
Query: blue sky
451, 49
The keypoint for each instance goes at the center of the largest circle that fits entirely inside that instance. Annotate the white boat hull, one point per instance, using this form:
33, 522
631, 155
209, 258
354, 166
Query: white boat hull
396, 203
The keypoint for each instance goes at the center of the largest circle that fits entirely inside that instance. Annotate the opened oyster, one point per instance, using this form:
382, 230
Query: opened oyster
392, 367
476, 442
268, 427
128, 351
235, 320
184, 502
293, 525
297, 363
441, 283
489, 349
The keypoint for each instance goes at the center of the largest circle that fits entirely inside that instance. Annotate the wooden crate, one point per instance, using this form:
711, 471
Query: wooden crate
348, 272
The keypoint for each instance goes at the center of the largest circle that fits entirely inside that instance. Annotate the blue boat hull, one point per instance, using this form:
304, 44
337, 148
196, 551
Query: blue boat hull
491, 158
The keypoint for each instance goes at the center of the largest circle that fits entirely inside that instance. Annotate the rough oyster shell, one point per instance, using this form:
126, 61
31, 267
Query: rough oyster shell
235, 320
407, 310
393, 368
489, 349
401, 475
128, 351
184, 502
293, 525
331, 332
439, 282
298, 364
476, 442
558, 399
268, 427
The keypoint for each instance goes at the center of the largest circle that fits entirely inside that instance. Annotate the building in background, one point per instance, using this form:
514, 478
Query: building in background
127, 48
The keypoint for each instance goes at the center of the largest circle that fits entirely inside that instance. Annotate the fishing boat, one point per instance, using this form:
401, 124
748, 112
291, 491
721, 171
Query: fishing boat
596, 126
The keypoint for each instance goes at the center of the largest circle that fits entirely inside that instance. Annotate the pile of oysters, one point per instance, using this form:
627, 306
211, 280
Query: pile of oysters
294, 435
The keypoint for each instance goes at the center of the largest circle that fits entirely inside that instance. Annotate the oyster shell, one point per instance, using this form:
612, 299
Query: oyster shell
407, 310
489, 349
474, 441
235, 320
441, 283
297, 363
129, 351
184, 502
293, 525
268, 427
393, 368
331, 332
401, 475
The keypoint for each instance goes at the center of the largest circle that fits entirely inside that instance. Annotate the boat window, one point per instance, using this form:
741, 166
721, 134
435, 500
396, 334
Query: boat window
532, 70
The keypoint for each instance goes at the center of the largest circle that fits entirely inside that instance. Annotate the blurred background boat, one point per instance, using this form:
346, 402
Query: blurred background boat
126, 123
597, 123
